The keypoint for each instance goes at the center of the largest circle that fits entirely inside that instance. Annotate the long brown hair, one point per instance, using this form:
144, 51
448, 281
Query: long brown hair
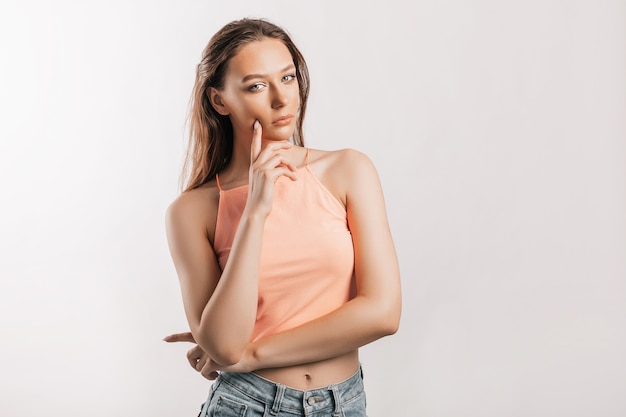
211, 134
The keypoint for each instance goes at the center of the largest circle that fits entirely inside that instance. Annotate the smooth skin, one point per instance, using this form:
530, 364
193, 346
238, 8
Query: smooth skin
261, 98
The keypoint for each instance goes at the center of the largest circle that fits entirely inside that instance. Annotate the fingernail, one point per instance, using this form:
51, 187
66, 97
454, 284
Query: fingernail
256, 124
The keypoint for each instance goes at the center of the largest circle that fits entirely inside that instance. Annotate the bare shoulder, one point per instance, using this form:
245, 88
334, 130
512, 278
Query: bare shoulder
342, 158
195, 209
194, 201
343, 162
341, 170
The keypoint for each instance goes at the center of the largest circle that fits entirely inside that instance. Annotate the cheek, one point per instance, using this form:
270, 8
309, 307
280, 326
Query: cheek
295, 98
244, 110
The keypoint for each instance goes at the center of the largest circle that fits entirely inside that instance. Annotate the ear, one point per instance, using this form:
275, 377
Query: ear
215, 97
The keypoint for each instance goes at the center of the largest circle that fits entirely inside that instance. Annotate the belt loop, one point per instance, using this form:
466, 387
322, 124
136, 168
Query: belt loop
280, 392
336, 412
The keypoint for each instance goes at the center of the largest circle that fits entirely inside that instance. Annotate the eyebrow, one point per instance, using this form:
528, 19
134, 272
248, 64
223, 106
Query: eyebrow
252, 76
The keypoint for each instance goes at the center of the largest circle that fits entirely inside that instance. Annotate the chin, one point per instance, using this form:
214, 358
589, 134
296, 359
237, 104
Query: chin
278, 134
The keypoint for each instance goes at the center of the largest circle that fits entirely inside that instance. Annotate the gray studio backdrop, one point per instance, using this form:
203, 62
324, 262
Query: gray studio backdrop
498, 131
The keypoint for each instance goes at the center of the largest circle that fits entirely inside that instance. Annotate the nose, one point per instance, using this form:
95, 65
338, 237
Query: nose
279, 97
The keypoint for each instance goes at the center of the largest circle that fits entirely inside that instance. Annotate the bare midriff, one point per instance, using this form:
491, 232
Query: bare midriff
314, 375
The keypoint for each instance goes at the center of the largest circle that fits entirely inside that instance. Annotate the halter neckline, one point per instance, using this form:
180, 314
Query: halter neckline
219, 185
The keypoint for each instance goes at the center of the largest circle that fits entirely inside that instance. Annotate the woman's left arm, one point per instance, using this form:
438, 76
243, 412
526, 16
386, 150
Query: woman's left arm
375, 310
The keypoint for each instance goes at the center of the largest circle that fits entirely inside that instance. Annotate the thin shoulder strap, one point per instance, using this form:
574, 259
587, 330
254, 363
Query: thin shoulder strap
306, 158
217, 180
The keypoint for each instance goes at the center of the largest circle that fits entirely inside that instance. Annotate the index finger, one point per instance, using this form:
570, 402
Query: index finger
255, 146
180, 337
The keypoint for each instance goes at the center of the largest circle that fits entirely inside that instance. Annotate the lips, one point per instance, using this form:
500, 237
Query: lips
283, 120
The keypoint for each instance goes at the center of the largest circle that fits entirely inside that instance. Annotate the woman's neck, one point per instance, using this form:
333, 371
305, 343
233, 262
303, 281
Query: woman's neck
237, 171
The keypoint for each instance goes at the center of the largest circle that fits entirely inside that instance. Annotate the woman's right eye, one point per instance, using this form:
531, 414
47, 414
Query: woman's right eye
255, 87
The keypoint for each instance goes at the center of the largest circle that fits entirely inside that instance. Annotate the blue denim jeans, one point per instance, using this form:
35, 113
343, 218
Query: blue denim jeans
249, 395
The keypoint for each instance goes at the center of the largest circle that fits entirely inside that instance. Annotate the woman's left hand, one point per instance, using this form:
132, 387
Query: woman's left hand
201, 362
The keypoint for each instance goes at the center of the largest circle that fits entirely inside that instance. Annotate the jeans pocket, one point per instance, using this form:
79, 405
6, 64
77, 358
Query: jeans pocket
226, 407
355, 407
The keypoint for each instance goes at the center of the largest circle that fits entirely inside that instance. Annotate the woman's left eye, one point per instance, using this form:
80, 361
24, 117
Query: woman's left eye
289, 77
255, 87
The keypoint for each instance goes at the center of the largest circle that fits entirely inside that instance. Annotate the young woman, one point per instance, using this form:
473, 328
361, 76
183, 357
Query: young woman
284, 254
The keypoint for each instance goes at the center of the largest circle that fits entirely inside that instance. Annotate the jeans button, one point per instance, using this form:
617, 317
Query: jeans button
311, 401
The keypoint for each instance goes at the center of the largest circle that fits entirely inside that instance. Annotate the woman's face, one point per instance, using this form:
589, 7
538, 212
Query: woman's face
261, 84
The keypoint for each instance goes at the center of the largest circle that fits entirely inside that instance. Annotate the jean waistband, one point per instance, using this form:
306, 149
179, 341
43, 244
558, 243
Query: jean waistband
283, 398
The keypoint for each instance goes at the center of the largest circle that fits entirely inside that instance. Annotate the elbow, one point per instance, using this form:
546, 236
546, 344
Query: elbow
224, 354
389, 327
389, 321
227, 358
383, 316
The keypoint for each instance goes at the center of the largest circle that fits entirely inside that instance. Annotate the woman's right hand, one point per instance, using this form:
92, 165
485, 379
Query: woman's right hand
266, 166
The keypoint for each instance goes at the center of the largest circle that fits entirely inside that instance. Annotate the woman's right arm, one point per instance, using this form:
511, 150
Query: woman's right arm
221, 308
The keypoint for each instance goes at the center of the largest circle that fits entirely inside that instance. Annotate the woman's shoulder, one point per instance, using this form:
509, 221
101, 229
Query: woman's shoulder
199, 204
342, 162
348, 156
342, 171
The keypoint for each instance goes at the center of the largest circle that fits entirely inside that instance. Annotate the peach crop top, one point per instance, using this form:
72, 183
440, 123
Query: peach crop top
307, 255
